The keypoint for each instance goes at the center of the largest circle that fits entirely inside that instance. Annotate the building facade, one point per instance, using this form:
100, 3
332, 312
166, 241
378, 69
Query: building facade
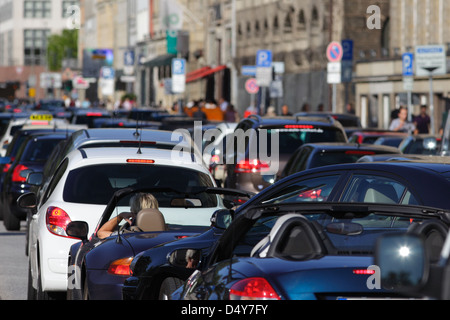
24, 28
379, 80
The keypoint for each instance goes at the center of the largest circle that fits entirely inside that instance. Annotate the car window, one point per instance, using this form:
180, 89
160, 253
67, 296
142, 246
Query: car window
39, 150
292, 137
55, 180
97, 183
308, 190
377, 189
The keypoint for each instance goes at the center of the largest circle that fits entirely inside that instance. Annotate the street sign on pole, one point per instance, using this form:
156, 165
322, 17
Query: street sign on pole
408, 64
264, 74
178, 75
335, 52
251, 86
430, 59
264, 68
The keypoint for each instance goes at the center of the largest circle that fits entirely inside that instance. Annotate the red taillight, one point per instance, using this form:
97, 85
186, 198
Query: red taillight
16, 175
251, 166
253, 289
359, 152
298, 126
363, 272
94, 114
57, 220
121, 267
142, 161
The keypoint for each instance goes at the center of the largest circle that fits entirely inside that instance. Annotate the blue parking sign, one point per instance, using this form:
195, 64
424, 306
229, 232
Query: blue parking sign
178, 66
264, 59
408, 64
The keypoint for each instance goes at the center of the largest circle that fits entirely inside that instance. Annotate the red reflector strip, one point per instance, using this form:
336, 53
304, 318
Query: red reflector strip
359, 152
140, 161
363, 272
296, 126
93, 114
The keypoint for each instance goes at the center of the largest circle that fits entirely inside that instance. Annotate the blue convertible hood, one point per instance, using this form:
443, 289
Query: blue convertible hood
109, 250
329, 277
143, 241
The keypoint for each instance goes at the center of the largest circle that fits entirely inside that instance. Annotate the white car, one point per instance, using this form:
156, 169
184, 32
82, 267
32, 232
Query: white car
79, 191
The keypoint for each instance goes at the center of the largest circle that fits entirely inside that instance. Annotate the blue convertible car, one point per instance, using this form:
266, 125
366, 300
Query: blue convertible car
98, 267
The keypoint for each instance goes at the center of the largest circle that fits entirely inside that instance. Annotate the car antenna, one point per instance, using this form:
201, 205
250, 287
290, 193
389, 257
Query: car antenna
140, 141
119, 238
136, 133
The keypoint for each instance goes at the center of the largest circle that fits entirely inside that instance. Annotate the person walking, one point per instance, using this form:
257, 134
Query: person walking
422, 121
401, 124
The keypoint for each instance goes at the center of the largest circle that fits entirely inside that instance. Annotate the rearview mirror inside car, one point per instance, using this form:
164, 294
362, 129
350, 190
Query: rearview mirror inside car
186, 203
345, 228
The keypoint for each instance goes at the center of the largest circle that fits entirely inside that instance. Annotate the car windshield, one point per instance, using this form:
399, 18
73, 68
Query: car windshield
39, 150
293, 137
96, 184
336, 157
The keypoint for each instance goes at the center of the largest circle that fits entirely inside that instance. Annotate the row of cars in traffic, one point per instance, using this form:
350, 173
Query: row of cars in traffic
264, 210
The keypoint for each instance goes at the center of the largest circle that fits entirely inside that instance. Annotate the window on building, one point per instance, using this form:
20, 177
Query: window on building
35, 46
37, 9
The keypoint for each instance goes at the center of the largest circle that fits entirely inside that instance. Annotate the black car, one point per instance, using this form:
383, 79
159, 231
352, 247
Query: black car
416, 265
260, 147
367, 183
31, 157
314, 155
420, 144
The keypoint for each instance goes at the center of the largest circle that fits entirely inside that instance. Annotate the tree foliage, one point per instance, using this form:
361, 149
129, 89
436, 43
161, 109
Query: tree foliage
61, 46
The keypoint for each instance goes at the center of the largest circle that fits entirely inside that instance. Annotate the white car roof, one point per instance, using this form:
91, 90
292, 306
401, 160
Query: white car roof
82, 157
117, 134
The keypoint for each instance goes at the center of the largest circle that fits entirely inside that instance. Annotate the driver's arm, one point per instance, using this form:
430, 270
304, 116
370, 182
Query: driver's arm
108, 228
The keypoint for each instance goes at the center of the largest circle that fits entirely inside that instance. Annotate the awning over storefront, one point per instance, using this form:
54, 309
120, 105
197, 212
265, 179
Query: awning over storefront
162, 60
203, 72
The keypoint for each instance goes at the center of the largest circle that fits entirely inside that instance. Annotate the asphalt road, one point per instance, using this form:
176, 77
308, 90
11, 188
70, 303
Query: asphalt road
13, 264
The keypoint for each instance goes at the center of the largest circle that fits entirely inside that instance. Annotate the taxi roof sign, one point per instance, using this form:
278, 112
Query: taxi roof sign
41, 117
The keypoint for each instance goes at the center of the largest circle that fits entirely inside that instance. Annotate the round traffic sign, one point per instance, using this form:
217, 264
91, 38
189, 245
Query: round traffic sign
251, 86
335, 52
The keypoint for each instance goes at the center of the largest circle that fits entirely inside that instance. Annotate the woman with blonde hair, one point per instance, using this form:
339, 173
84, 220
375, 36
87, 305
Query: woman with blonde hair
138, 202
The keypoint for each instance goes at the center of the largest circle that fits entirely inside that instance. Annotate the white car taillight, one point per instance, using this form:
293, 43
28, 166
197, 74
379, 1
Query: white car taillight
57, 220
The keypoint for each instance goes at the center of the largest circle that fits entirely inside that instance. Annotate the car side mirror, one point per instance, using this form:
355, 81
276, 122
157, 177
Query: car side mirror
78, 230
5, 160
221, 219
185, 258
403, 262
35, 178
27, 201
